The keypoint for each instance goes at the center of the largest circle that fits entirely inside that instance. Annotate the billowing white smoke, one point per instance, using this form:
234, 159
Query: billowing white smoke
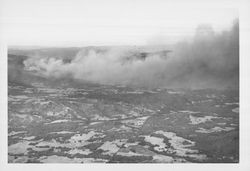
109, 67
212, 61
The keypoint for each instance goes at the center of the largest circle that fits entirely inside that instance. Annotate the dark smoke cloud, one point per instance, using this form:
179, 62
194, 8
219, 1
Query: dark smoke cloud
210, 60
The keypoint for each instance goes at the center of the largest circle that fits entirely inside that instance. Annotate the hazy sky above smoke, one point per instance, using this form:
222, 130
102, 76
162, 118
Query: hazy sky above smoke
109, 22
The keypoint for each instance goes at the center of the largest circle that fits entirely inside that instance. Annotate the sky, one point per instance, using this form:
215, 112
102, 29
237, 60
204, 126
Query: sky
109, 22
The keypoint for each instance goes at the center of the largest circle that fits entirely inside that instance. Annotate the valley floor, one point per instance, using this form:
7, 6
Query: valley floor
117, 124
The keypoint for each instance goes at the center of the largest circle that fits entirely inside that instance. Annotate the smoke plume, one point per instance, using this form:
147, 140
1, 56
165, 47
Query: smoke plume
210, 60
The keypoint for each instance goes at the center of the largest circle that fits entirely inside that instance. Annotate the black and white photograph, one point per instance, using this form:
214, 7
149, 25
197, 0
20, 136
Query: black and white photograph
122, 81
